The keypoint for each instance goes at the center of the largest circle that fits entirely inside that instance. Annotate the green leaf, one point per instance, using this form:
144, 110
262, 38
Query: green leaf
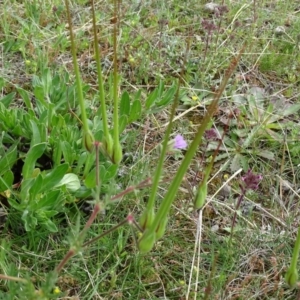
6, 181
244, 162
168, 96
25, 187
57, 153
6, 100
50, 201
67, 152
250, 137
36, 137
106, 174
9, 159
90, 180
266, 154
54, 177
25, 96
71, 181
235, 163
89, 163
122, 123
16, 205
102, 172
29, 220
33, 154
160, 88
36, 187
290, 110
81, 161
111, 172
136, 111
151, 98
137, 95
43, 133
273, 135
83, 192
125, 104
50, 225
39, 95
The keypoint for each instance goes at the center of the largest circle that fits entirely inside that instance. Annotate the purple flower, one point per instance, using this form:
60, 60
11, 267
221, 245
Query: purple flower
221, 10
179, 142
208, 25
251, 181
211, 134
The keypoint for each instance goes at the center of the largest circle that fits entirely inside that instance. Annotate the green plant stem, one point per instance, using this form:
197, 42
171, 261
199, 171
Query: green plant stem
97, 209
116, 79
296, 251
291, 276
77, 74
202, 188
172, 191
100, 78
159, 168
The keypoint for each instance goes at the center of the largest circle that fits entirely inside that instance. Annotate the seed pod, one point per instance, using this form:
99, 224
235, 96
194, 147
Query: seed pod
108, 145
291, 277
117, 153
201, 195
88, 141
147, 218
147, 241
161, 228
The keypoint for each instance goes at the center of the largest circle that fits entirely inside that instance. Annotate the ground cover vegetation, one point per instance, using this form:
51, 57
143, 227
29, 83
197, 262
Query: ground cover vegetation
162, 163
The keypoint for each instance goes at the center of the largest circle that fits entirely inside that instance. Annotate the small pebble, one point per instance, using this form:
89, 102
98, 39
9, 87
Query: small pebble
210, 7
225, 191
279, 30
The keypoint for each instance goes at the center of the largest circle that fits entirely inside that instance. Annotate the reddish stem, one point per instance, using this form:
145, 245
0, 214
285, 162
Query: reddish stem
92, 218
70, 253
129, 220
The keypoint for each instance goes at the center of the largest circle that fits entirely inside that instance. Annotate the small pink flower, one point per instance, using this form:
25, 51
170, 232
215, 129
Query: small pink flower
251, 180
211, 135
179, 142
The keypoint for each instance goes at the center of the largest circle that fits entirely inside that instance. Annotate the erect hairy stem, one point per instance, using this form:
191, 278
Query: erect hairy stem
11, 278
67, 257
